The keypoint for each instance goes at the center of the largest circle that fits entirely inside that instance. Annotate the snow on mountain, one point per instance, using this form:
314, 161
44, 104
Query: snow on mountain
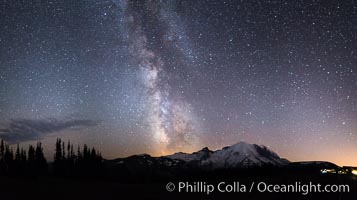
243, 155
195, 156
239, 155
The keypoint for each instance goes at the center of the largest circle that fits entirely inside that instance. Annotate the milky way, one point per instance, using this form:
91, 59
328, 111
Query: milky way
169, 116
131, 77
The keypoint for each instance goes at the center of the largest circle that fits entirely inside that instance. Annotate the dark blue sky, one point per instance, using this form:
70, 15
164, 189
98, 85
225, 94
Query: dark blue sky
164, 76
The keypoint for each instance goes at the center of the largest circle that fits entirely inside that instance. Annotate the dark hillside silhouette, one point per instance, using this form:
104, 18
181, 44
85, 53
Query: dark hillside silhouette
82, 173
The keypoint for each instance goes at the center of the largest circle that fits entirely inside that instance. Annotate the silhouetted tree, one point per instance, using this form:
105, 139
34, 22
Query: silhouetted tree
23, 156
8, 155
63, 152
2, 150
59, 165
87, 162
31, 163
31, 153
58, 150
72, 152
23, 161
68, 150
70, 159
18, 169
17, 154
41, 163
7, 159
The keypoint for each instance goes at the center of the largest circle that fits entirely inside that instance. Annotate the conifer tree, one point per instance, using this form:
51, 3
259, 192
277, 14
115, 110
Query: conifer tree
2, 150
41, 163
18, 154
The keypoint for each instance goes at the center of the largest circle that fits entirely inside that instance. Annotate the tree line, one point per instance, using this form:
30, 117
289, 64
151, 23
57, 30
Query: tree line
83, 161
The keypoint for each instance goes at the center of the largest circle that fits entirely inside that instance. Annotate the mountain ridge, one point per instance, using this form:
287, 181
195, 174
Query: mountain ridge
239, 155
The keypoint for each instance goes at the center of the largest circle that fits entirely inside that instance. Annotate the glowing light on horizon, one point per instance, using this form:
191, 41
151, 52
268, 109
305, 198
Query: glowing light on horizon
354, 172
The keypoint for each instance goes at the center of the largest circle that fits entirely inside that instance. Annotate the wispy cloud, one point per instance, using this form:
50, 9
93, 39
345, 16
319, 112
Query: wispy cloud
21, 130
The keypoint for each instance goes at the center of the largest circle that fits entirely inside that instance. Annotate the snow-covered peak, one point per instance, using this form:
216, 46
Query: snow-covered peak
241, 154
243, 148
181, 156
195, 156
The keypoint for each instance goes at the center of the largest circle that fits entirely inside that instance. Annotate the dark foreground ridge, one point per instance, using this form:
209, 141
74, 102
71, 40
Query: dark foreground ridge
84, 174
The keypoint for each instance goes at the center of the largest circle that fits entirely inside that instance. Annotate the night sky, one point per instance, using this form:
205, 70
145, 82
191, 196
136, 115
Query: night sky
157, 77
